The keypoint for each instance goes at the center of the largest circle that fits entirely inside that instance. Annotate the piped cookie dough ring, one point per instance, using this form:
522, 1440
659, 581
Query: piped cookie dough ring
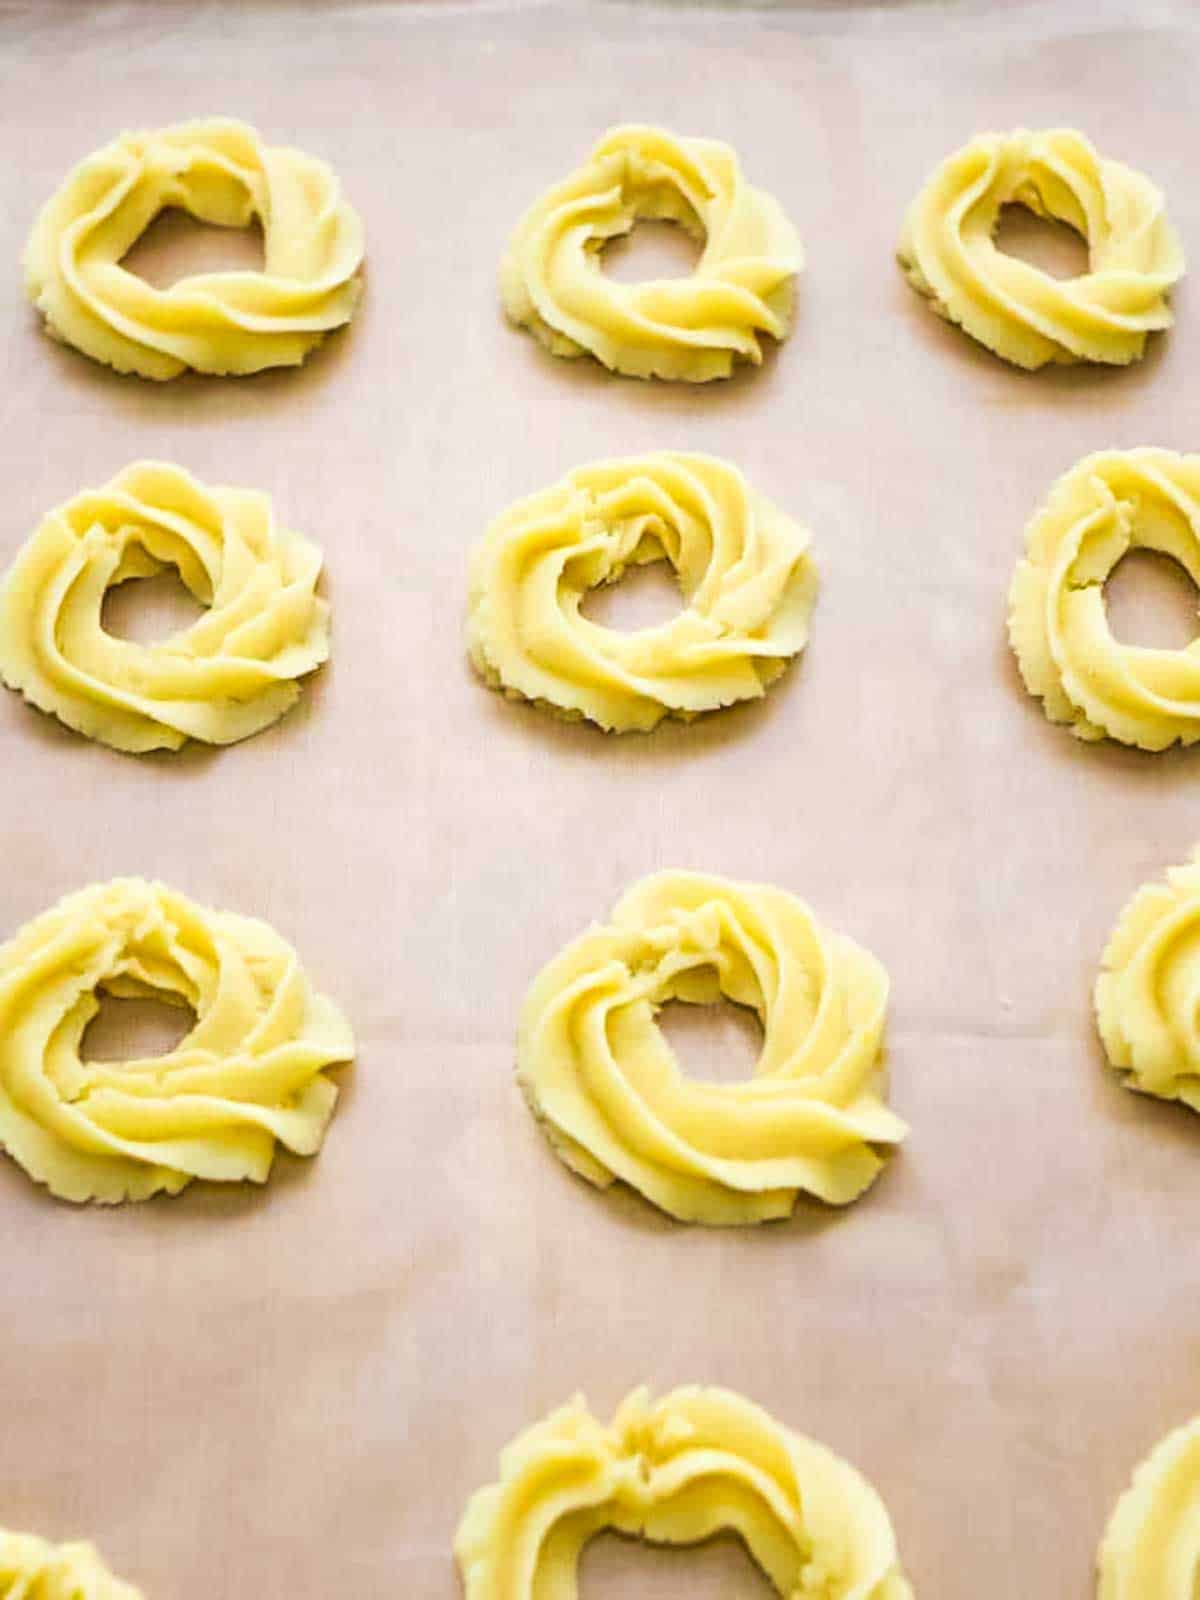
694, 328
1018, 311
1150, 1549
744, 571
248, 1076
1107, 505
232, 673
604, 1084
30, 1566
219, 171
677, 1471
1145, 994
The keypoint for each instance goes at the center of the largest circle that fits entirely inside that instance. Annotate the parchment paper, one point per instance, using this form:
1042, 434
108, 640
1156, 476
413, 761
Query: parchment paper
293, 1391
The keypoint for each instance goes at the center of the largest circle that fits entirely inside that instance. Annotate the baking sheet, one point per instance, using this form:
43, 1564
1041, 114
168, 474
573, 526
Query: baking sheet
293, 1391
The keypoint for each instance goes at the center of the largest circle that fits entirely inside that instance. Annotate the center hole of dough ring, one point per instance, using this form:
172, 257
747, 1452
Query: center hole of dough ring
538, 622
555, 277
117, 296
177, 245
150, 609
95, 628
712, 1569
250, 1074
645, 596
137, 1029
985, 272
617, 1103
699, 1464
715, 1043
1053, 247
1068, 623
653, 250
1151, 600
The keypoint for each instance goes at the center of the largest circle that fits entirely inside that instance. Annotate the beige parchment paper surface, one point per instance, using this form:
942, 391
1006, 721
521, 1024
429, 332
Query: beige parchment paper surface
292, 1391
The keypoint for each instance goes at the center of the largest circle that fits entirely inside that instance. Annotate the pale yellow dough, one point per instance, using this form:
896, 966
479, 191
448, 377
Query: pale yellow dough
1151, 1548
743, 567
218, 322
250, 1073
1107, 505
553, 282
33, 1569
677, 1471
607, 1088
1148, 992
229, 675
1022, 313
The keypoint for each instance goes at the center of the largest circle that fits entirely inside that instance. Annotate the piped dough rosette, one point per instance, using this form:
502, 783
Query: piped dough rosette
746, 577
607, 1088
677, 1471
552, 279
219, 171
230, 674
249, 1075
1151, 1548
34, 1569
1148, 993
1107, 505
1020, 312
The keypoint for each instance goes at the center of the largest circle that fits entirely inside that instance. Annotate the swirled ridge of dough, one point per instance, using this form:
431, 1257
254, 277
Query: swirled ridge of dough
606, 1086
219, 171
743, 567
1018, 311
250, 1072
33, 1569
229, 675
1147, 995
1107, 505
698, 1462
1151, 1548
553, 283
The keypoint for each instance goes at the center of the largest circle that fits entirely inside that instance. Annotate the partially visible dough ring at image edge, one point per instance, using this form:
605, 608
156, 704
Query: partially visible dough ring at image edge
1105, 506
747, 581
1151, 1547
608, 1091
1021, 313
552, 279
233, 672
219, 171
34, 1569
249, 1075
677, 1471
1145, 994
